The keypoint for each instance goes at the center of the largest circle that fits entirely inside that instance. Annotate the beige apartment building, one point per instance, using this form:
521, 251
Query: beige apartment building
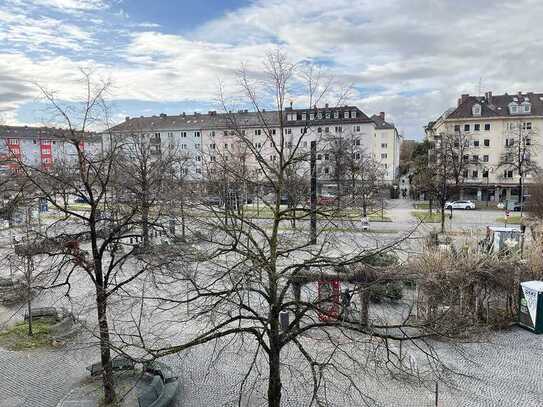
211, 137
498, 131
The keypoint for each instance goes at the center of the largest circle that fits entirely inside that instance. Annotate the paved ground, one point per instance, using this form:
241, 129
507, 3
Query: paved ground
507, 369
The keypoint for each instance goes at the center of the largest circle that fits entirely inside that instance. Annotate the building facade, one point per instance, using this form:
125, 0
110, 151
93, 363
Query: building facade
502, 141
39, 147
212, 137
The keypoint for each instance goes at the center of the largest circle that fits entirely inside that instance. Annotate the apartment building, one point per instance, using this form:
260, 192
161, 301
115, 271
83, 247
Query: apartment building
212, 137
39, 147
493, 126
386, 147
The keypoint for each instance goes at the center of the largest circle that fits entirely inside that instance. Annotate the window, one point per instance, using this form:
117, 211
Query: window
319, 115
486, 142
508, 174
485, 158
327, 129
34, 141
273, 157
513, 108
526, 107
466, 127
485, 174
183, 134
198, 170
196, 134
465, 157
457, 128
326, 170
475, 158
356, 142
213, 133
477, 127
383, 145
288, 131
528, 142
212, 158
183, 146
338, 129
226, 146
336, 115
465, 173
327, 115
509, 142
345, 115
475, 174
319, 157
311, 116
212, 146
198, 158
476, 109
197, 146
303, 130
527, 126
273, 132
353, 114
258, 132
304, 117
319, 130
356, 128
475, 143
487, 127
384, 156
326, 157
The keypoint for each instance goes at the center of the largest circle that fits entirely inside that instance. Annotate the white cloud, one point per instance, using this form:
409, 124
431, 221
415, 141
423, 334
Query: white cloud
417, 55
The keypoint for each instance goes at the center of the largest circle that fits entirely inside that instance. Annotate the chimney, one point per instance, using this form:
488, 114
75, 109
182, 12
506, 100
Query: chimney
127, 118
488, 96
326, 106
291, 104
463, 98
162, 114
382, 115
183, 114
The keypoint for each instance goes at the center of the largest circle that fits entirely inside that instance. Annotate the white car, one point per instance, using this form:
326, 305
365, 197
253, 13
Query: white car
460, 205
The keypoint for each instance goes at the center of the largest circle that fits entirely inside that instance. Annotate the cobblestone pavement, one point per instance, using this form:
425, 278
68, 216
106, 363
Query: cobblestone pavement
37, 378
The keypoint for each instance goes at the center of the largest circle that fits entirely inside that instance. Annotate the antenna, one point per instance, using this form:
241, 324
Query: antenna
480, 85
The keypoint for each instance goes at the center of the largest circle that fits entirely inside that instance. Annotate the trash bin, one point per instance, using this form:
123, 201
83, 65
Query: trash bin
530, 310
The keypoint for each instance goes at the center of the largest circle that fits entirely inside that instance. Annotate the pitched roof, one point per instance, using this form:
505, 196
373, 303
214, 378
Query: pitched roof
243, 118
380, 123
497, 105
28, 132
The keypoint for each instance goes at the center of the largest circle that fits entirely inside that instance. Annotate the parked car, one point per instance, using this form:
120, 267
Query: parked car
517, 207
365, 223
213, 201
326, 200
81, 200
460, 205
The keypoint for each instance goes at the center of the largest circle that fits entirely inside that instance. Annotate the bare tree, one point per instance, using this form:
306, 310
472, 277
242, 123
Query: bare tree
250, 276
102, 239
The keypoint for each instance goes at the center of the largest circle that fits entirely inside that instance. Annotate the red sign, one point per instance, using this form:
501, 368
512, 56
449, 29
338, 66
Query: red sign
328, 299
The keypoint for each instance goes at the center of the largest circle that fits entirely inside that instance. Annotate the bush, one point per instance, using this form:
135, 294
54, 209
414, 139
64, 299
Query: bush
388, 291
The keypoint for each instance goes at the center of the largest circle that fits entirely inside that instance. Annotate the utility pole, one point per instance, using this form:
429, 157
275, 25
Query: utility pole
313, 198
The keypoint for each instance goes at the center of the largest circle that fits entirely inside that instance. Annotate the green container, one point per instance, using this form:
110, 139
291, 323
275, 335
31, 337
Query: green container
530, 307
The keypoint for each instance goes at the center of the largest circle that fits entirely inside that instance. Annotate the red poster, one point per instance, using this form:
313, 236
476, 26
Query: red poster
328, 299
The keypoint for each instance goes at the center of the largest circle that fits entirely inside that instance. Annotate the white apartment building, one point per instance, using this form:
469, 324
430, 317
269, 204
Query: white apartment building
493, 124
211, 137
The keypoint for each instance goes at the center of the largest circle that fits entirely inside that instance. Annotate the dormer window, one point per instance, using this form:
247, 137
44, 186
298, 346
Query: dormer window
476, 109
513, 108
526, 107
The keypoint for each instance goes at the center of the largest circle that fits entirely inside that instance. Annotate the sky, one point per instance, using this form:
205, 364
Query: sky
409, 58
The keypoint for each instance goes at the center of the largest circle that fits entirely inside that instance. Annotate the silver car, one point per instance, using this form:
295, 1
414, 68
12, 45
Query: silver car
460, 205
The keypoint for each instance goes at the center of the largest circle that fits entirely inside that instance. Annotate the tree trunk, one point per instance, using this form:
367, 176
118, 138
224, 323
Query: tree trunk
145, 224
364, 305
274, 380
364, 207
105, 351
442, 218
29, 293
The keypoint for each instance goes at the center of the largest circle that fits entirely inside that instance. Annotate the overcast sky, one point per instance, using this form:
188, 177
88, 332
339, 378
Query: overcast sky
409, 58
